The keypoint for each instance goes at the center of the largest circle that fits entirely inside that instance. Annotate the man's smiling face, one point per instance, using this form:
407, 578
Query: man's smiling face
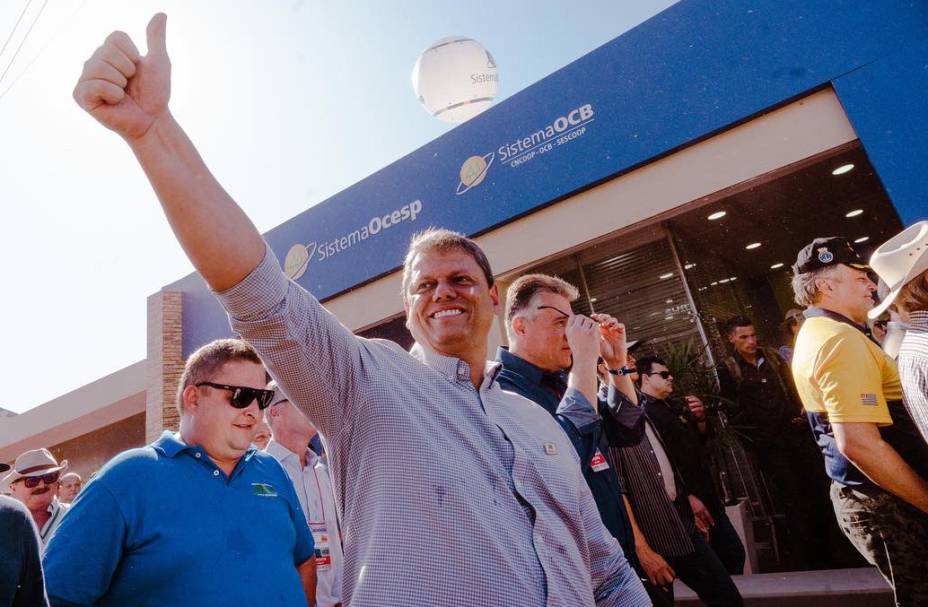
449, 306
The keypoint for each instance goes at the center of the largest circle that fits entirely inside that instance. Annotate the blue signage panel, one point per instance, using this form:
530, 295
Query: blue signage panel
697, 68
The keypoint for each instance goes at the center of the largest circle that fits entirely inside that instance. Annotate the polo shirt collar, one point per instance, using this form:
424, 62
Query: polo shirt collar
171, 445
822, 312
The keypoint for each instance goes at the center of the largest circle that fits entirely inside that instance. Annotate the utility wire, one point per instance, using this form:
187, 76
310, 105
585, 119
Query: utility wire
15, 27
54, 37
23, 41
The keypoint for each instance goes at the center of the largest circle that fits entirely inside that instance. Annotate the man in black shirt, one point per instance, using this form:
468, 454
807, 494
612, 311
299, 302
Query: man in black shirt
759, 382
677, 426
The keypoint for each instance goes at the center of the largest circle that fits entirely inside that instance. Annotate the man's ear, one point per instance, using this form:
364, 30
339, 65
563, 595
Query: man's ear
518, 325
190, 396
494, 297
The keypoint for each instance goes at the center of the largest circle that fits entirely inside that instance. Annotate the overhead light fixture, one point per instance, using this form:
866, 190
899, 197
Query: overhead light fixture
724, 280
861, 239
669, 301
733, 278
854, 213
592, 300
753, 245
777, 265
717, 215
713, 283
689, 266
844, 168
666, 276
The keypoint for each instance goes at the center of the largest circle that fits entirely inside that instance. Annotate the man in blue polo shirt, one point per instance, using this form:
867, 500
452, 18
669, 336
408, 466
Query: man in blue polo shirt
195, 518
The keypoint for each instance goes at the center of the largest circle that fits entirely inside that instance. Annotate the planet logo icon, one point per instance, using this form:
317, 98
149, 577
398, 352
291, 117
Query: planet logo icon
297, 259
473, 172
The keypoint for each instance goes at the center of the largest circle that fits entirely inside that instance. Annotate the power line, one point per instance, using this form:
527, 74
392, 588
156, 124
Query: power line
53, 38
15, 27
23, 41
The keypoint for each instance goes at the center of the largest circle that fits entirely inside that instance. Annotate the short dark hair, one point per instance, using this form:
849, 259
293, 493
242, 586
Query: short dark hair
643, 365
523, 289
736, 321
442, 240
203, 364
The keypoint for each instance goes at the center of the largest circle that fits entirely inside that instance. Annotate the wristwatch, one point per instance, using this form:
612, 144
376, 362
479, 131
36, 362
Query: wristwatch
622, 371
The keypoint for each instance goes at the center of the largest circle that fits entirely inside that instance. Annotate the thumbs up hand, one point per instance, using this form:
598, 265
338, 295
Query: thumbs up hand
123, 90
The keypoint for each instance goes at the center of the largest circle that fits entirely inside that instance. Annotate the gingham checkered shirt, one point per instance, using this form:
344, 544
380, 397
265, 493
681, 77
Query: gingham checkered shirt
913, 369
449, 494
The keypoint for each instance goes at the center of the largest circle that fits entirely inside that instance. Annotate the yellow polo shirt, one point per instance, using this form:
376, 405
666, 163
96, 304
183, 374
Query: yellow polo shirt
840, 372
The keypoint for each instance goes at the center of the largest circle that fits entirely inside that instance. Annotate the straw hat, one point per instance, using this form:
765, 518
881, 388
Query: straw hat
33, 463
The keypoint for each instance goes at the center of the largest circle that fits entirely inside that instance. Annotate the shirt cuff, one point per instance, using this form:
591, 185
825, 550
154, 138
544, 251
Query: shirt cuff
622, 409
575, 408
259, 293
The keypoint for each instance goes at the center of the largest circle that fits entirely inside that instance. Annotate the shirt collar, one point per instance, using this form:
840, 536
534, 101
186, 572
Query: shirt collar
53, 505
919, 319
281, 453
822, 312
451, 367
171, 445
534, 374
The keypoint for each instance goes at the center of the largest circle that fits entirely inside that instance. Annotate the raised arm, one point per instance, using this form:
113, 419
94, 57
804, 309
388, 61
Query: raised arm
128, 93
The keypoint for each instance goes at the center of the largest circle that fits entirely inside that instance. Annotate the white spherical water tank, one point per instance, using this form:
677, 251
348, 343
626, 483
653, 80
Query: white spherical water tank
455, 79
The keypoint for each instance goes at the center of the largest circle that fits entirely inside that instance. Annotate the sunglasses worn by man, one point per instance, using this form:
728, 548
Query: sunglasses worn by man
243, 396
663, 374
31, 482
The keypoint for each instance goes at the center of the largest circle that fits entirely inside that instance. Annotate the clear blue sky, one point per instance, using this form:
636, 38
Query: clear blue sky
289, 101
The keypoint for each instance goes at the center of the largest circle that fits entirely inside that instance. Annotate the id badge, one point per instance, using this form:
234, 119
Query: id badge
321, 539
599, 463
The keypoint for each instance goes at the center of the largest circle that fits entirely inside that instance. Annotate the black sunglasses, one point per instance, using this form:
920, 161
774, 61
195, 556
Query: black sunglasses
663, 374
31, 482
243, 396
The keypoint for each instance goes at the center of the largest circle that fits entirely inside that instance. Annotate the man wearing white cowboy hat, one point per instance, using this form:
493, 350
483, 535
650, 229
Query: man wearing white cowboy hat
902, 263
34, 482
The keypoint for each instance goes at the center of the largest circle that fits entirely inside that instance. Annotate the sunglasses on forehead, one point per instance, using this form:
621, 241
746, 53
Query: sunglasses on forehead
243, 396
31, 482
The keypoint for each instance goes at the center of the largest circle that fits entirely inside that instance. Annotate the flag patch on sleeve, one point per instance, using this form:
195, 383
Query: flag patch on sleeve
868, 399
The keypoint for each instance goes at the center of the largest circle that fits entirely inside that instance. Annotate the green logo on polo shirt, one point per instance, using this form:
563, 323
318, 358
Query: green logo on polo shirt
263, 489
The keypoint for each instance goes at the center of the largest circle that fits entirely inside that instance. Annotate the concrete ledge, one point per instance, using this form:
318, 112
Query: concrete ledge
828, 588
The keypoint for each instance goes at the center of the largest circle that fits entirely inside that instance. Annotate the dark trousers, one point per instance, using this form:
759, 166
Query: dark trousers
704, 573
891, 534
726, 544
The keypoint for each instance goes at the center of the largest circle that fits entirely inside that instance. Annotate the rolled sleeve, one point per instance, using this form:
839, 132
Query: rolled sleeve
615, 583
258, 294
314, 358
575, 407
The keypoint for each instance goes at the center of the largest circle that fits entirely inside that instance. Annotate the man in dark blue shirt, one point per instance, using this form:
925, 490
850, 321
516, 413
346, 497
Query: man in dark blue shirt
539, 317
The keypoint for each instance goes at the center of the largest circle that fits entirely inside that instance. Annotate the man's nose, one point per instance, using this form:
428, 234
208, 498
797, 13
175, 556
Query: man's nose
444, 290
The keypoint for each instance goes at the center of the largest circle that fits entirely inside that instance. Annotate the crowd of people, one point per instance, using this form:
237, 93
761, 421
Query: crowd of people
560, 473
